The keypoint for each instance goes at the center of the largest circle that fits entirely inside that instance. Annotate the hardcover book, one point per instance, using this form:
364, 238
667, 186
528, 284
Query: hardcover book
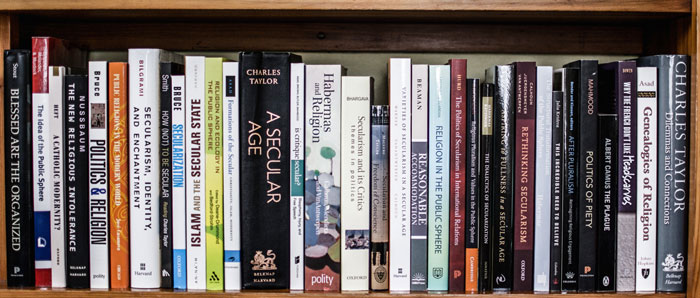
438, 177
543, 179
178, 170
485, 185
419, 177
322, 185
379, 213
297, 127
58, 214
214, 215
356, 96
557, 184
458, 178
232, 186
471, 240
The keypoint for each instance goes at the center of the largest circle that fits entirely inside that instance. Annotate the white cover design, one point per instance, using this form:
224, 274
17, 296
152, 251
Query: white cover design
296, 147
58, 219
543, 179
232, 228
179, 195
42, 160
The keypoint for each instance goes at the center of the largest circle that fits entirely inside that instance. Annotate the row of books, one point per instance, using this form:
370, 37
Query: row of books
199, 173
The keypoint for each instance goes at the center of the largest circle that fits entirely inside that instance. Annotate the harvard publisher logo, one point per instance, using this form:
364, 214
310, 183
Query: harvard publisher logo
261, 262
380, 274
672, 264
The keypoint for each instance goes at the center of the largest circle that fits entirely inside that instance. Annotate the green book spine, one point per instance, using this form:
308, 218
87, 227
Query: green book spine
214, 179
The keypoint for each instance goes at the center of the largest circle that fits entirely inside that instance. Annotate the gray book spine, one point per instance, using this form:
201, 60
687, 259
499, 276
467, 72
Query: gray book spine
419, 179
543, 178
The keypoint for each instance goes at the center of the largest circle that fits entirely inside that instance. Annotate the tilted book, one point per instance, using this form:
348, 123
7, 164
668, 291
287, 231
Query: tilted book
486, 202
458, 164
178, 170
419, 177
232, 189
297, 127
379, 214
471, 239
557, 231
58, 203
543, 179
214, 176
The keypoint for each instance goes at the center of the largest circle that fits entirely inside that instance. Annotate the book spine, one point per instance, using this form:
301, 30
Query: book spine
607, 195
195, 169
485, 183
504, 125
399, 173
438, 176
58, 222
165, 160
77, 208
379, 217
99, 195
557, 186
214, 176
179, 193
646, 179
144, 183
18, 180
265, 116
543, 180
419, 177
296, 149
232, 200
323, 159
458, 94
471, 241
355, 106
118, 176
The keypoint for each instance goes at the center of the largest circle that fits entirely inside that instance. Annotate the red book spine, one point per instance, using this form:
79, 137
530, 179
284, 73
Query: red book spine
525, 96
458, 155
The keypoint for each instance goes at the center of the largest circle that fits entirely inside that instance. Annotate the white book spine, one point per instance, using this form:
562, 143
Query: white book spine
99, 196
194, 140
41, 163
646, 178
355, 182
296, 147
232, 228
399, 174
58, 232
543, 170
144, 178
179, 194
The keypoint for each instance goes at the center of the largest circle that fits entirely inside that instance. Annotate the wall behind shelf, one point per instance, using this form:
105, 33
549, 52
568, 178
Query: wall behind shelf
375, 64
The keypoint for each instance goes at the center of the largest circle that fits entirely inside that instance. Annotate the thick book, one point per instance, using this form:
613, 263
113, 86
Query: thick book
438, 176
144, 181
543, 179
214, 176
458, 171
356, 96
264, 118
379, 213
195, 167
503, 78
58, 214
322, 185
232, 189
118, 176
297, 127
99, 195
647, 108
76, 169
485, 187
178, 170
419, 177
19, 222
557, 184
399, 174
672, 220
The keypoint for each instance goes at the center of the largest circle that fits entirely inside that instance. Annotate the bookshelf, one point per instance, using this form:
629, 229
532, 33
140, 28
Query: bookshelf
536, 27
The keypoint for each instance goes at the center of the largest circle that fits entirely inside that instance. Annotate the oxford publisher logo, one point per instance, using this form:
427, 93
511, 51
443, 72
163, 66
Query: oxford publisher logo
262, 262
645, 273
380, 274
672, 264
437, 273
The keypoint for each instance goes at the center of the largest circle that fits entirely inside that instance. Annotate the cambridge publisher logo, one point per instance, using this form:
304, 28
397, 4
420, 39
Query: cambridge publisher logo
261, 262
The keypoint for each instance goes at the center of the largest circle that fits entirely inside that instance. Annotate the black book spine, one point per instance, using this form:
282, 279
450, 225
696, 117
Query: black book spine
504, 125
485, 172
264, 114
557, 188
77, 186
471, 242
18, 174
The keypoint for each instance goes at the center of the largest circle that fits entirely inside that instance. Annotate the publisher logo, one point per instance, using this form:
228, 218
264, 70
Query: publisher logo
672, 264
645, 273
437, 273
380, 274
264, 262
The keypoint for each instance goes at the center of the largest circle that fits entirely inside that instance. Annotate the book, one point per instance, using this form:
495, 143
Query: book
503, 77
379, 213
471, 240
264, 114
144, 181
214, 215
458, 164
647, 108
322, 185
587, 107
438, 176
76, 169
232, 186
118, 176
99, 195
356, 96
19, 224
179, 193
543, 179
486, 165
58, 214
399, 174
419, 177
297, 127
557, 185
195, 172
672, 191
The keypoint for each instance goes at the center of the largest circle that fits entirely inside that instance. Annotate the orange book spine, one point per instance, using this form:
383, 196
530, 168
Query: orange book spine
118, 176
